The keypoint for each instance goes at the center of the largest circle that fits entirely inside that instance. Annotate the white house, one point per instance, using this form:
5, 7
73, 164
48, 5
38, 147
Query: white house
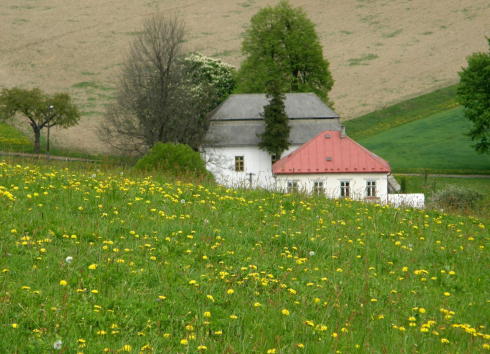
231, 150
334, 165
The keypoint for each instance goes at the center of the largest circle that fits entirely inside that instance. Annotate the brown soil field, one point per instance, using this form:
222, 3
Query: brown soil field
380, 51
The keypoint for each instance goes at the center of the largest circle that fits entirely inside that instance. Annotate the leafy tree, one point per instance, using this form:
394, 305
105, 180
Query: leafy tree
161, 96
205, 72
274, 139
282, 44
42, 110
474, 95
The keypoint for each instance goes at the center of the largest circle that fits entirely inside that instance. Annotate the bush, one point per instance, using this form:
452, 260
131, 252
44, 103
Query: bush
456, 197
175, 159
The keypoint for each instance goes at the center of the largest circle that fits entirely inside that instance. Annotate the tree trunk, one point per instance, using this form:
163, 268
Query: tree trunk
37, 141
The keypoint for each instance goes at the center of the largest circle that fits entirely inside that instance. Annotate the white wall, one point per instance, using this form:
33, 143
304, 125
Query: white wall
221, 163
331, 184
415, 200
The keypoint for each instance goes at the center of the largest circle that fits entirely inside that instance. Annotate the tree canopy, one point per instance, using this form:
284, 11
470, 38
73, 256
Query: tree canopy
161, 95
474, 95
41, 110
282, 44
275, 138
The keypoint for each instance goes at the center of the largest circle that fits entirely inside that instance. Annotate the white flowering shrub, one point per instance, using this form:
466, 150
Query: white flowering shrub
210, 73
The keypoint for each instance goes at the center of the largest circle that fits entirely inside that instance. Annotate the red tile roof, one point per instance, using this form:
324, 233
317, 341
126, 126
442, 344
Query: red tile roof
331, 154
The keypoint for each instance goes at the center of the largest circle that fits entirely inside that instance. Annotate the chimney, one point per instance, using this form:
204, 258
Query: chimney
342, 132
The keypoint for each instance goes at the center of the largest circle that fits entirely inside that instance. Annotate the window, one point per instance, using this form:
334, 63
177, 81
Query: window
318, 188
345, 189
292, 186
273, 159
239, 164
370, 188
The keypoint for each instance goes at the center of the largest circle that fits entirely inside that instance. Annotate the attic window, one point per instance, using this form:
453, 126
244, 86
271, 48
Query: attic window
273, 159
329, 158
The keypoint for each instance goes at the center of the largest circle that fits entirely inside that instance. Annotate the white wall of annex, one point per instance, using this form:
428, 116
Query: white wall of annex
331, 183
221, 163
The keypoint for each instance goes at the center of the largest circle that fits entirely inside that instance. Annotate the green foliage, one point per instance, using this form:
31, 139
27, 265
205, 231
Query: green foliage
474, 95
42, 110
210, 73
435, 143
275, 138
282, 44
417, 108
176, 159
456, 197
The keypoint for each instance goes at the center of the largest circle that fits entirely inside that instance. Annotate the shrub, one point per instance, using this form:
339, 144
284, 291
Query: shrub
456, 197
176, 159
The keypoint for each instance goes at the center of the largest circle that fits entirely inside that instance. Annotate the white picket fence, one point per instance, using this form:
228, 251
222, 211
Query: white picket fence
415, 200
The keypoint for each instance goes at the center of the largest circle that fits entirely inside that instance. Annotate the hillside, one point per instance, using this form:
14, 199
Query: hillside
380, 52
437, 143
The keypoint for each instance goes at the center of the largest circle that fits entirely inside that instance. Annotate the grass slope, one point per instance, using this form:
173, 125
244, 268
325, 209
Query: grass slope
13, 140
404, 112
97, 260
436, 143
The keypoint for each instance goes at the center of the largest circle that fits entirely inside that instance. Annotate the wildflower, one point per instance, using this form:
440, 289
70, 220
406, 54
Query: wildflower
126, 348
94, 291
202, 348
218, 333
166, 335
69, 259
312, 253
421, 310
257, 304
335, 335
101, 333
444, 341
285, 312
63, 283
183, 201
189, 328
93, 266
207, 314
58, 344
447, 294
300, 345
230, 291
183, 342
15, 325
271, 351
233, 317
161, 297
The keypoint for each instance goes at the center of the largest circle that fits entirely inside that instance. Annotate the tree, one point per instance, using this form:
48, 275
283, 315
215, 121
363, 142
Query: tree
474, 95
42, 110
274, 139
282, 44
205, 72
160, 97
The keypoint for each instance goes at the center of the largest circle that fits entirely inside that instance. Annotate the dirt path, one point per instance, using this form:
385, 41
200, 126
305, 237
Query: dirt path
43, 156
439, 175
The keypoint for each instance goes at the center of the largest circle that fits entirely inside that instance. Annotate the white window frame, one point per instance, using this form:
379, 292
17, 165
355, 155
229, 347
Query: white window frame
292, 186
318, 187
371, 189
345, 189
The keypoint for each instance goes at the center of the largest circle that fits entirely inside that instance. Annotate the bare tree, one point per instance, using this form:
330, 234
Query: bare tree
156, 100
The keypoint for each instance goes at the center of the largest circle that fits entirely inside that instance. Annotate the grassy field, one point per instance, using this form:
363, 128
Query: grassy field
436, 143
13, 140
417, 108
96, 260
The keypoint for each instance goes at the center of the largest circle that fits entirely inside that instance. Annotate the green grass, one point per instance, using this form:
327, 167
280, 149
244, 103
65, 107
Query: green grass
13, 140
436, 143
407, 111
157, 265
362, 60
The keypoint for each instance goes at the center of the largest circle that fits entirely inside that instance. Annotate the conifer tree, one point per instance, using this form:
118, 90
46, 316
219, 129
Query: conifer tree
275, 138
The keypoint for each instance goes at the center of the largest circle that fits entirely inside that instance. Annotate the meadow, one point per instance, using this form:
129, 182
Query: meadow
98, 259
436, 143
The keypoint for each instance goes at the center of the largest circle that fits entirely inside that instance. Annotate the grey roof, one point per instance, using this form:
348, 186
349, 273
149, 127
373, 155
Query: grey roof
244, 133
250, 106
